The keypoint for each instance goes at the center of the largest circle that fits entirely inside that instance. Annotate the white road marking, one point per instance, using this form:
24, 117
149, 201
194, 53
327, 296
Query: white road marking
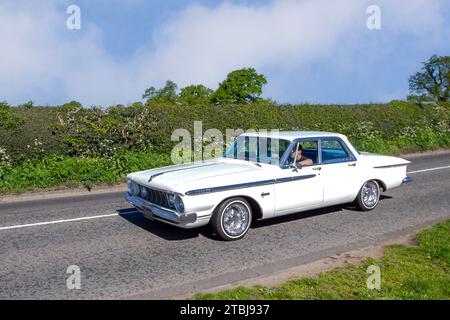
431, 169
61, 221
116, 214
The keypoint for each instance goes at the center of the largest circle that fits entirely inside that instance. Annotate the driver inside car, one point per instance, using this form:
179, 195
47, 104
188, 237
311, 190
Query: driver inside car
301, 160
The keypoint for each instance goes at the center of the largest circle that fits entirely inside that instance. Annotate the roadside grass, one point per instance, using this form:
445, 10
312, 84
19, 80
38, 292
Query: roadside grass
407, 272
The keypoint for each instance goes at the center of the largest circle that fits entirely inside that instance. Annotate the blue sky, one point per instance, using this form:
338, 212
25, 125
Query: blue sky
310, 51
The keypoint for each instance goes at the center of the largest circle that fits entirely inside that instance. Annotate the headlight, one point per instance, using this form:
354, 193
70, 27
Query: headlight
143, 192
171, 200
179, 205
133, 188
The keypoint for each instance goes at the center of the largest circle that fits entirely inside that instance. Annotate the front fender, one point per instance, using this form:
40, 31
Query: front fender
262, 199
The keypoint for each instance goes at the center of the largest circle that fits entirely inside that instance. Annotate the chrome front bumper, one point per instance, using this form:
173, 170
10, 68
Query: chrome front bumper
407, 179
153, 211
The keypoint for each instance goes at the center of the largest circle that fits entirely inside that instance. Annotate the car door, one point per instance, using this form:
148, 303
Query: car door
339, 171
299, 188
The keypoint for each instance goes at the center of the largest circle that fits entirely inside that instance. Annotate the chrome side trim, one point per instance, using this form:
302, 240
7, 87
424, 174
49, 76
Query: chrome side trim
181, 169
229, 187
247, 185
295, 178
391, 166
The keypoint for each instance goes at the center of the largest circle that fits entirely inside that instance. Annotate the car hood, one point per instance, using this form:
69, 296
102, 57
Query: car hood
181, 178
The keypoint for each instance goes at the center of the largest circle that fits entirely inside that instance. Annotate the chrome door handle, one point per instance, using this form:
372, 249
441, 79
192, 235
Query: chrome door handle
317, 168
352, 164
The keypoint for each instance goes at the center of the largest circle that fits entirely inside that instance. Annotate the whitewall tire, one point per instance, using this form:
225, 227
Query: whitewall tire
368, 196
232, 219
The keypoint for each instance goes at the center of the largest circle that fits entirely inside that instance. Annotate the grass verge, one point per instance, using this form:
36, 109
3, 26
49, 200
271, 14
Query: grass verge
407, 272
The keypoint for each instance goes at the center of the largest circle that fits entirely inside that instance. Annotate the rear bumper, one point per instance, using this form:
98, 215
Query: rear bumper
153, 211
407, 179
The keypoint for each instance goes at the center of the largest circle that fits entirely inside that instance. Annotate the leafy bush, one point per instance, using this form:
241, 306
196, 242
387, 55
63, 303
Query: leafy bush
45, 142
103, 132
35, 124
8, 119
65, 170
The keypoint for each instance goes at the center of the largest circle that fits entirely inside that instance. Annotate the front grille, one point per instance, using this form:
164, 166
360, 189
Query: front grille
155, 196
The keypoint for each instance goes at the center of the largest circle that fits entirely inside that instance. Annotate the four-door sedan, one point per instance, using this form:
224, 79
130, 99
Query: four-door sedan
261, 176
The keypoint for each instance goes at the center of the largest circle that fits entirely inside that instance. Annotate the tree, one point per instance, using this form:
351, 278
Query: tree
431, 83
8, 119
29, 104
72, 105
166, 94
240, 86
195, 95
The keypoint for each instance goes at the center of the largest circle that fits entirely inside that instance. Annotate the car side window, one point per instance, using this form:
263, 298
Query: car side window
310, 150
334, 152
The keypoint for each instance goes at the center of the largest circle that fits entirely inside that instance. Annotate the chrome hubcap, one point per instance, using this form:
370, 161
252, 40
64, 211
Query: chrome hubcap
370, 194
235, 218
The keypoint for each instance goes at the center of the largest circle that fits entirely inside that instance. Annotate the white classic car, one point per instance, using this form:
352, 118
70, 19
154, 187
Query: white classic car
257, 178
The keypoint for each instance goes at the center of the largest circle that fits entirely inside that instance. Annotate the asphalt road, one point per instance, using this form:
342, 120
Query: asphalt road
122, 255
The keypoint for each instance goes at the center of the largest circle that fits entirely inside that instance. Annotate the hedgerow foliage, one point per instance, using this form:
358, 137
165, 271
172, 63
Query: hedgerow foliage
59, 170
47, 146
103, 132
8, 119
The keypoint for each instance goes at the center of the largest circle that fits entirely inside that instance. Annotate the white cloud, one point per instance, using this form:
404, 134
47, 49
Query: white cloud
208, 43
43, 61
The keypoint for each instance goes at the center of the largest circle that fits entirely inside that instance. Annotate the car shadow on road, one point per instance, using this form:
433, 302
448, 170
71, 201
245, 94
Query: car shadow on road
161, 229
299, 216
309, 214
169, 232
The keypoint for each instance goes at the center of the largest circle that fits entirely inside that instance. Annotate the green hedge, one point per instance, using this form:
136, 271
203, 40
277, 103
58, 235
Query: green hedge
50, 146
97, 132
72, 171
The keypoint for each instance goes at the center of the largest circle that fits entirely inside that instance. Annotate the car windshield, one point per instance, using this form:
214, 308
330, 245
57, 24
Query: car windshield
257, 149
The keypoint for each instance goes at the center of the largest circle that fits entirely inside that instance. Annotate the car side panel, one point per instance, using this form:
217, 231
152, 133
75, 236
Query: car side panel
392, 177
341, 182
307, 191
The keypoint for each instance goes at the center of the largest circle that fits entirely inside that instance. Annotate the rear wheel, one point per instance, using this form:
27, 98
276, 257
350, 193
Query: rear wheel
369, 196
231, 219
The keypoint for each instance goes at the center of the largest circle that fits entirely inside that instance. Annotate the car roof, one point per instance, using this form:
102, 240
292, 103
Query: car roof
292, 135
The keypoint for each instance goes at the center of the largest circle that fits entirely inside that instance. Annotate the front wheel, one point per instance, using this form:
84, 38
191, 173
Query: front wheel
231, 219
369, 196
